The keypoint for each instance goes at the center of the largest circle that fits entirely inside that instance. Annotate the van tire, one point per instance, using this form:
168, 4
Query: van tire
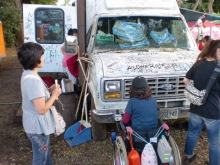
99, 130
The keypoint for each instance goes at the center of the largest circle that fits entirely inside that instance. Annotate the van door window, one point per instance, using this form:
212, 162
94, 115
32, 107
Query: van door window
49, 25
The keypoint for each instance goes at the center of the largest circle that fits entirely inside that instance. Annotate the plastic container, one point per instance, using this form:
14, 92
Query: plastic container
113, 137
164, 150
69, 102
148, 155
103, 38
2, 41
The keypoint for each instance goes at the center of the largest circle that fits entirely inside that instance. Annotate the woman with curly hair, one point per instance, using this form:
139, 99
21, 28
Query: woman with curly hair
142, 108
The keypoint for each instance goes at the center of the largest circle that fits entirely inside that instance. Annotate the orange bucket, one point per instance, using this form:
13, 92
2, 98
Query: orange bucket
2, 42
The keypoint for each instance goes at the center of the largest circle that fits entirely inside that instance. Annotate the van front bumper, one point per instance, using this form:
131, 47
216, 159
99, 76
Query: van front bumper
173, 113
103, 116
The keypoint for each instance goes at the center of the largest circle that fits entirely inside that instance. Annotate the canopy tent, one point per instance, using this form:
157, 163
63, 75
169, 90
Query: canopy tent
208, 29
205, 24
193, 16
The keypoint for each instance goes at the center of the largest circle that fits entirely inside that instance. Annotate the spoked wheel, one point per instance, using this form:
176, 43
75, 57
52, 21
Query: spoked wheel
120, 153
176, 152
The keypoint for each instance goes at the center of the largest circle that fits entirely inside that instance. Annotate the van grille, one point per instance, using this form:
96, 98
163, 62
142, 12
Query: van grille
162, 87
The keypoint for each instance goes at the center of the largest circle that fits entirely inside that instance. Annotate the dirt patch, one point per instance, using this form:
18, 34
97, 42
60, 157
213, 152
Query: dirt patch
16, 148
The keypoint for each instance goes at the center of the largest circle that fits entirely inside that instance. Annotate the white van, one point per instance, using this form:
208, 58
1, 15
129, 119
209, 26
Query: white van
129, 38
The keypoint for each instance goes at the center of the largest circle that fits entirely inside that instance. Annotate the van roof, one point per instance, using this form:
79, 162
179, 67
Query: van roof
129, 8
143, 6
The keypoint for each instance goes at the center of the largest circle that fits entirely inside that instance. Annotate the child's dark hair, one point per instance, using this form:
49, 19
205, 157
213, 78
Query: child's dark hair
72, 31
140, 88
207, 38
29, 55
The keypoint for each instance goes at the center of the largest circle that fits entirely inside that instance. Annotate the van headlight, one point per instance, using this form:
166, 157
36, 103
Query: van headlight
112, 86
112, 89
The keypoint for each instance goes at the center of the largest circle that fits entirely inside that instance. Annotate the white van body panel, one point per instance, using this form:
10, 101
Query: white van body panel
150, 63
129, 65
52, 56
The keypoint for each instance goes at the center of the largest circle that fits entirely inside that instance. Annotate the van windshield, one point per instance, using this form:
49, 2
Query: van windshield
118, 33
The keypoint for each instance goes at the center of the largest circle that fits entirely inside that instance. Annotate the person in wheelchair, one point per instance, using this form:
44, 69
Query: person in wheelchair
141, 112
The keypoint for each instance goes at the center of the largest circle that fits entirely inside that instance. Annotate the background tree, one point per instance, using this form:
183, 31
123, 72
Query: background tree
179, 2
11, 18
199, 2
49, 2
210, 6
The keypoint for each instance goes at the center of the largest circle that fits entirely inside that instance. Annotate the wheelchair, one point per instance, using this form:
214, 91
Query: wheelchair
122, 146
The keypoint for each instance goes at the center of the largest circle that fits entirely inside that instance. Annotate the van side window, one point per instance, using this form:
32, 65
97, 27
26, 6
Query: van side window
49, 25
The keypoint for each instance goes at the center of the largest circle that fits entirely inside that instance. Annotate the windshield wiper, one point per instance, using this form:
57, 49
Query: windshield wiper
104, 51
124, 50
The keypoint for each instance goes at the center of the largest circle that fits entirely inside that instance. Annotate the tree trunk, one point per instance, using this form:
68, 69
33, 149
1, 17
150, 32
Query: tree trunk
210, 6
203, 8
20, 33
196, 4
199, 2
17, 4
179, 2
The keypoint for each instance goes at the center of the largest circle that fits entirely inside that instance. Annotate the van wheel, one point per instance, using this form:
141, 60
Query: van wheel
99, 130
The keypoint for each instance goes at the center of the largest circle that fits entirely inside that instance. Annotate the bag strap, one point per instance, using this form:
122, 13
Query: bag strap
32, 76
139, 137
211, 81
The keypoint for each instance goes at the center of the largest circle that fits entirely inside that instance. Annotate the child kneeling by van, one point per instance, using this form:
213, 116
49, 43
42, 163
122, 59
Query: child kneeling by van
142, 108
141, 112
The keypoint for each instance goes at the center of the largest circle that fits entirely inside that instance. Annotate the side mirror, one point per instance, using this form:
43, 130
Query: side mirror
71, 46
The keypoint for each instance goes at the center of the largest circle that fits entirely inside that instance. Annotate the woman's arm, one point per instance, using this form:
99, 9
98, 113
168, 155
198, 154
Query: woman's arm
186, 81
41, 106
63, 49
51, 88
126, 118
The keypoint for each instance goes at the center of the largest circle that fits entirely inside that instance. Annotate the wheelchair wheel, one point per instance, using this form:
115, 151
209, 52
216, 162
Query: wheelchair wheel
176, 152
120, 153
